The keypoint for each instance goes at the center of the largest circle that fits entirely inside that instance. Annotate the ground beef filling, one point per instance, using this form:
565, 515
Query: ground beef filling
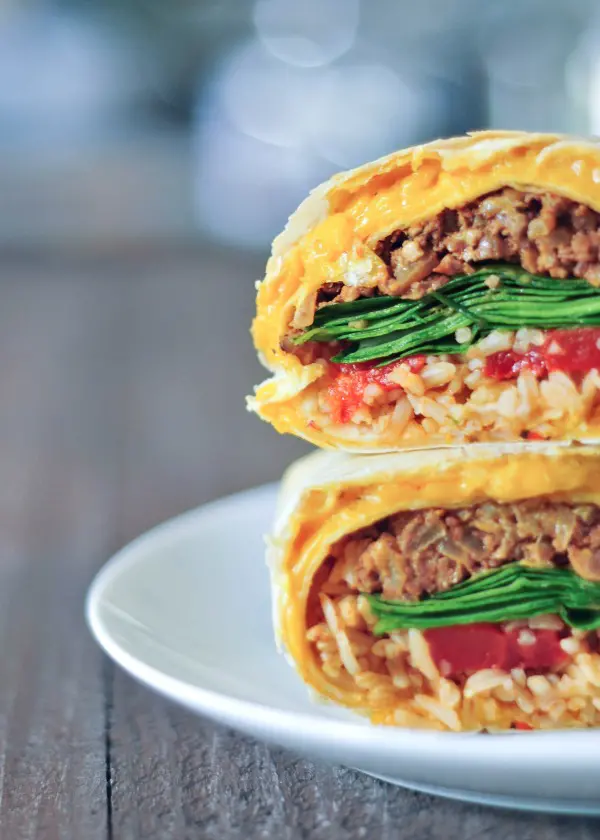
545, 233
423, 552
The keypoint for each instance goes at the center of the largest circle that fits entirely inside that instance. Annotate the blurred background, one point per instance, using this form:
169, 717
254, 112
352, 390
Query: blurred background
127, 119
150, 151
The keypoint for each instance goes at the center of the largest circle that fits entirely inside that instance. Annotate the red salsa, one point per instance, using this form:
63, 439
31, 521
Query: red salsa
570, 351
347, 386
464, 649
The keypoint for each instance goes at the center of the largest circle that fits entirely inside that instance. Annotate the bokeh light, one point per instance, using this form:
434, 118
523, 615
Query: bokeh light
267, 131
362, 110
265, 97
309, 33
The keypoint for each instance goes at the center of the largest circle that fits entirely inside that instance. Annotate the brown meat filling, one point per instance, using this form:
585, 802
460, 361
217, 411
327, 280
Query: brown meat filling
422, 552
545, 233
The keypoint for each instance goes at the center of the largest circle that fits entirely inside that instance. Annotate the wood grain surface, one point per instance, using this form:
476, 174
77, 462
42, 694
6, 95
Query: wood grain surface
122, 379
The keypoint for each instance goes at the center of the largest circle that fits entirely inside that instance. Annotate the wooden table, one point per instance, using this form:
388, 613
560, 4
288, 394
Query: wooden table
122, 378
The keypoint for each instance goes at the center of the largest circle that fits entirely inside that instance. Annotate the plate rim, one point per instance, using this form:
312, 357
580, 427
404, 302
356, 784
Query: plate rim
506, 747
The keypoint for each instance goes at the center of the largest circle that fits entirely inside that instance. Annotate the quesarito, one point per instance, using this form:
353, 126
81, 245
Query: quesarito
454, 588
447, 293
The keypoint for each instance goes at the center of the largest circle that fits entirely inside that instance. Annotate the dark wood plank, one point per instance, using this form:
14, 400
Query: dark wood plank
190, 779
187, 440
58, 449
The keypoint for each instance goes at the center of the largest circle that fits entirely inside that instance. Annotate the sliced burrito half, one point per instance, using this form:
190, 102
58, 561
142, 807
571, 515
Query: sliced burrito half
447, 293
456, 588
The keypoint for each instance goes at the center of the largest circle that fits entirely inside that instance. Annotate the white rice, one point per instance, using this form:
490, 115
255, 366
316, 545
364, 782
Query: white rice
401, 684
451, 401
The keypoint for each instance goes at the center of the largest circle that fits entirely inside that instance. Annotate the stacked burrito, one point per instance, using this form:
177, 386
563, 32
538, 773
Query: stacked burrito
434, 317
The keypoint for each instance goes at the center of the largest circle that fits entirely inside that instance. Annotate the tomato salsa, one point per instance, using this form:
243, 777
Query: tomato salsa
570, 351
464, 649
347, 386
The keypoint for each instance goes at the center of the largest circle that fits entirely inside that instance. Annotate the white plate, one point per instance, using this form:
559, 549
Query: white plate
185, 609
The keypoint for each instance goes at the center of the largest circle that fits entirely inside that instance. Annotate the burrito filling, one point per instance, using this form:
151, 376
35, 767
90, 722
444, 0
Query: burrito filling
485, 317
497, 600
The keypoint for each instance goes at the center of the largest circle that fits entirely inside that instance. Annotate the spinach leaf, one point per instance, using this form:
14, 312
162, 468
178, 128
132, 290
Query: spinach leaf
385, 329
511, 592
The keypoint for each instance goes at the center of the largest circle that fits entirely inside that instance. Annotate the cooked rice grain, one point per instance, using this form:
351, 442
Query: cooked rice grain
402, 685
452, 401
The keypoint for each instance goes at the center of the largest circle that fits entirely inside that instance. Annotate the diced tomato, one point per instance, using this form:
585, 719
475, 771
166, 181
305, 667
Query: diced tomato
570, 351
348, 382
540, 654
520, 724
508, 365
573, 351
464, 649
534, 436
